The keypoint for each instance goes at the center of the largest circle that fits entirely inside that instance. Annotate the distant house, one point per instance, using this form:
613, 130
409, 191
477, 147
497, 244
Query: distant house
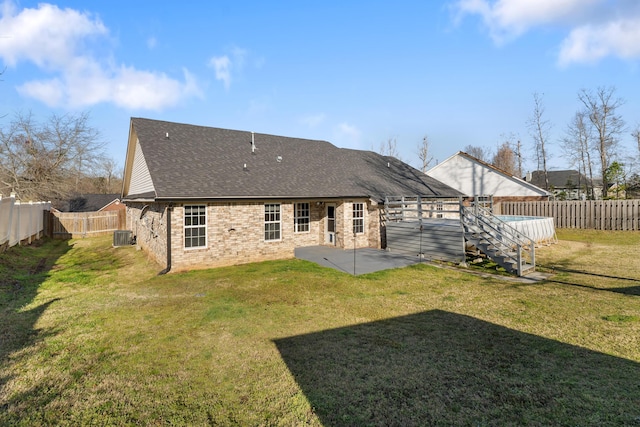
201, 197
566, 184
474, 177
93, 203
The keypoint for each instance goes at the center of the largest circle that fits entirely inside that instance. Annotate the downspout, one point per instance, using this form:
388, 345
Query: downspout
169, 209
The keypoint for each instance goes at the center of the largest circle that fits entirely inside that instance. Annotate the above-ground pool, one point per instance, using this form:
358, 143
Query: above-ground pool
538, 228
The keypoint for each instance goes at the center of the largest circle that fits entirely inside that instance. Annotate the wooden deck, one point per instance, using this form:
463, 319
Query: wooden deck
440, 229
437, 238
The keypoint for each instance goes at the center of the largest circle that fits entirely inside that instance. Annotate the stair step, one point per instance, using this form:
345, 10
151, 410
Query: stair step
493, 246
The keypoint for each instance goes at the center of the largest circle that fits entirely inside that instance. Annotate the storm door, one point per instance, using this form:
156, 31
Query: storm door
330, 226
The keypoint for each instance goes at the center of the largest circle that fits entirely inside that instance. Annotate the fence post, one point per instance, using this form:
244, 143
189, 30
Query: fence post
15, 232
10, 203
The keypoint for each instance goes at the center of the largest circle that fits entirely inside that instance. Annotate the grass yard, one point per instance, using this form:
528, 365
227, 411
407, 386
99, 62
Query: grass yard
92, 335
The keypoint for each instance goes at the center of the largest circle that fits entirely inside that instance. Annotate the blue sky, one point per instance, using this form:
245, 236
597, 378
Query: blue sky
462, 72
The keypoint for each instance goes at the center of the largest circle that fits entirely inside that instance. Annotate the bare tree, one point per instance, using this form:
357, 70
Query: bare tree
513, 142
505, 159
424, 154
539, 128
109, 174
518, 153
601, 108
478, 152
636, 135
45, 161
577, 149
389, 148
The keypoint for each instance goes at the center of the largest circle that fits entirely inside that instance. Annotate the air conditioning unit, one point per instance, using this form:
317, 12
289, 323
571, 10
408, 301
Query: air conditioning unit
122, 238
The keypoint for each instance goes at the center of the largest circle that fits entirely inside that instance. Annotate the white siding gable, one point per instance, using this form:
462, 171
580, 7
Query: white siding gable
140, 177
474, 178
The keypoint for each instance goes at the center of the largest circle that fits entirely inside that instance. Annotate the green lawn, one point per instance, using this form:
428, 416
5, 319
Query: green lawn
92, 335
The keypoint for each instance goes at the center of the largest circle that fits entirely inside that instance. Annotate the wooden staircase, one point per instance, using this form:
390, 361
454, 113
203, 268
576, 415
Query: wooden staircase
502, 243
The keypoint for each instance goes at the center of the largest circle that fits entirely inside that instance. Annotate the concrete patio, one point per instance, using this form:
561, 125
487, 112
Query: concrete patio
365, 260
369, 260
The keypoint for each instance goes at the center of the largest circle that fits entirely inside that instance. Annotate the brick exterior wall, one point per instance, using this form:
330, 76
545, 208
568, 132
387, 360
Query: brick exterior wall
114, 206
370, 238
235, 232
149, 225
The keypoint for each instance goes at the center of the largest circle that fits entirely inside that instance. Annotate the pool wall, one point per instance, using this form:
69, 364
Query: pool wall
538, 228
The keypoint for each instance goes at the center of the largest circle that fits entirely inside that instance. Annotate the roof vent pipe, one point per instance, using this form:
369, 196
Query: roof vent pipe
253, 143
167, 135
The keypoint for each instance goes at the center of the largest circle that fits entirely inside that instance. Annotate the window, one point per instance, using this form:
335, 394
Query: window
301, 217
272, 221
358, 218
195, 226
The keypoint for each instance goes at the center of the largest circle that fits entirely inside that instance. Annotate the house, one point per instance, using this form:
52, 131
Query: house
200, 197
566, 184
93, 203
474, 177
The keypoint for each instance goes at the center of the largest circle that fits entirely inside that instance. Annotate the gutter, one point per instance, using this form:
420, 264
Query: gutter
243, 198
166, 270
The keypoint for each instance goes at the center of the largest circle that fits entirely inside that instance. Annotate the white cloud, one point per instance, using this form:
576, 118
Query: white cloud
125, 87
589, 43
507, 19
222, 67
225, 65
54, 40
348, 135
47, 36
239, 57
51, 92
313, 120
595, 29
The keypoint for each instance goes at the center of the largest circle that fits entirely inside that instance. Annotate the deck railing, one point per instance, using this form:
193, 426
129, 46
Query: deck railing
414, 208
507, 241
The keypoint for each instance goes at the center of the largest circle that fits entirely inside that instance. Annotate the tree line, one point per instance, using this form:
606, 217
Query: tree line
55, 159
590, 143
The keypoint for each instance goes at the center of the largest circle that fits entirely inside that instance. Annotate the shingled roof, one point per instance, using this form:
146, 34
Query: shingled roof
561, 179
197, 162
89, 202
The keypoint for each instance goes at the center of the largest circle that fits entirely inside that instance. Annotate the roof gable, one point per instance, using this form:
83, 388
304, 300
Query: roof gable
141, 182
188, 161
473, 176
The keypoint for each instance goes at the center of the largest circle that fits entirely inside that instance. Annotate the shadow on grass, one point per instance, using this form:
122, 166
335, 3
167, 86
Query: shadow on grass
442, 368
626, 290
631, 290
22, 270
589, 273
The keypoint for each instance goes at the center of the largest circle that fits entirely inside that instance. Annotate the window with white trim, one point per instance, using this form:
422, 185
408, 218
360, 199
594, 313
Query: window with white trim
195, 226
358, 218
301, 218
272, 221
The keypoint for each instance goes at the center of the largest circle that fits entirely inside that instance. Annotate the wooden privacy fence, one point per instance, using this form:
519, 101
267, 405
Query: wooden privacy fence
586, 214
65, 225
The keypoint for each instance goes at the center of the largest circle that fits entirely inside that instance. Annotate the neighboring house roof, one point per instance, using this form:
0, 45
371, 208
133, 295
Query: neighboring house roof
473, 176
91, 202
562, 179
169, 161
